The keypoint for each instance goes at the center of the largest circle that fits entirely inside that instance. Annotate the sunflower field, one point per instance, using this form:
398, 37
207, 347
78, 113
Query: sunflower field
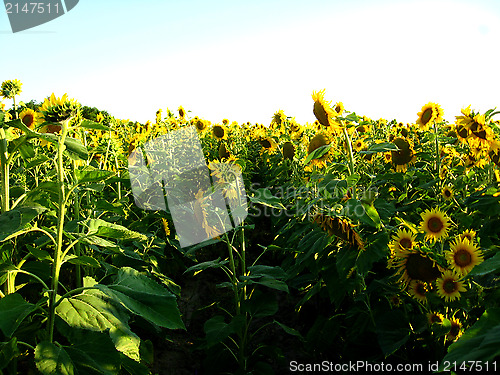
366, 242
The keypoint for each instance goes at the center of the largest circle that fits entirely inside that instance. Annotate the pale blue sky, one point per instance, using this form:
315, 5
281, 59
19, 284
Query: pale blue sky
244, 60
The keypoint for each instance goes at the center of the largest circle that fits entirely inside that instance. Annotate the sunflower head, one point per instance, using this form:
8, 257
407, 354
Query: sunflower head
449, 286
279, 119
339, 108
288, 150
201, 125
401, 241
435, 224
219, 132
455, 330
468, 235
59, 109
430, 113
434, 317
447, 193
322, 109
463, 256
10, 88
181, 111
30, 118
268, 144
414, 265
403, 157
418, 290
360, 145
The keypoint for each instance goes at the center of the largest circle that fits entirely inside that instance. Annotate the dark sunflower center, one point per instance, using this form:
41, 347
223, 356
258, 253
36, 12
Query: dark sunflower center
435, 318
454, 329
435, 224
421, 289
288, 150
474, 126
338, 109
320, 113
404, 155
200, 125
462, 131
421, 268
426, 116
495, 157
316, 143
462, 258
218, 131
480, 134
265, 143
28, 120
447, 193
405, 243
449, 286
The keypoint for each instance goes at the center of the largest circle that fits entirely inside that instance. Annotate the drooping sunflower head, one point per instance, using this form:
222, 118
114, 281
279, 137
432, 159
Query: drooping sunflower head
319, 140
219, 132
480, 133
435, 224
268, 144
463, 256
322, 109
455, 330
447, 193
449, 286
418, 290
430, 113
414, 265
223, 151
403, 157
10, 88
288, 150
30, 118
181, 111
434, 317
59, 109
494, 152
401, 241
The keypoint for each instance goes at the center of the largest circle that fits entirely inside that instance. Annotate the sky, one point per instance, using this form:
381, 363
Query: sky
245, 60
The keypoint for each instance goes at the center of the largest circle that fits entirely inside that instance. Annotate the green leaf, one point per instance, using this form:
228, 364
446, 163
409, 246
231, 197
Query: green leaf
8, 351
263, 196
13, 310
216, 330
372, 213
36, 161
260, 305
53, 360
82, 260
88, 124
289, 330
14, 221
91, 174
217, 263
380, 147
145, 297
481, 342
319, 152
488, 266
134, 367
93, 310
105, 229
392, 331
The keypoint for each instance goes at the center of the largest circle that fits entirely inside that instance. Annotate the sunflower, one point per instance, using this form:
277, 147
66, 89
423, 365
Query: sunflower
435, 224
395, 300
10, 88
223, 151
463, 256
158, 116
29, 118
268, 144
201, 125
402, 240
359, 145
319, 140
449, 286
387, 157
58, 109
219, 132
279, 119
447, 193
182, 112
468, 235
414, 265
322, 109
430, 113
494, 152
339, 108
404, 156
418, 290
288, 150
455, 330
434, 317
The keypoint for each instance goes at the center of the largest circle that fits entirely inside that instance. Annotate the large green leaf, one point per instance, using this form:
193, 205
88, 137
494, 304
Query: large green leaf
392, 331
488, 266
481, 342
8, 351
13, 310
53, 360
264, 196
91, 174
93, 310
260, 305
105, 229
145, 297
319, 152
14, 221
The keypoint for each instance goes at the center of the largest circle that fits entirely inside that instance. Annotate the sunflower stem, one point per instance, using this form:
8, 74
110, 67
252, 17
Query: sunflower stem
438, 156
60, 225
351, 156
